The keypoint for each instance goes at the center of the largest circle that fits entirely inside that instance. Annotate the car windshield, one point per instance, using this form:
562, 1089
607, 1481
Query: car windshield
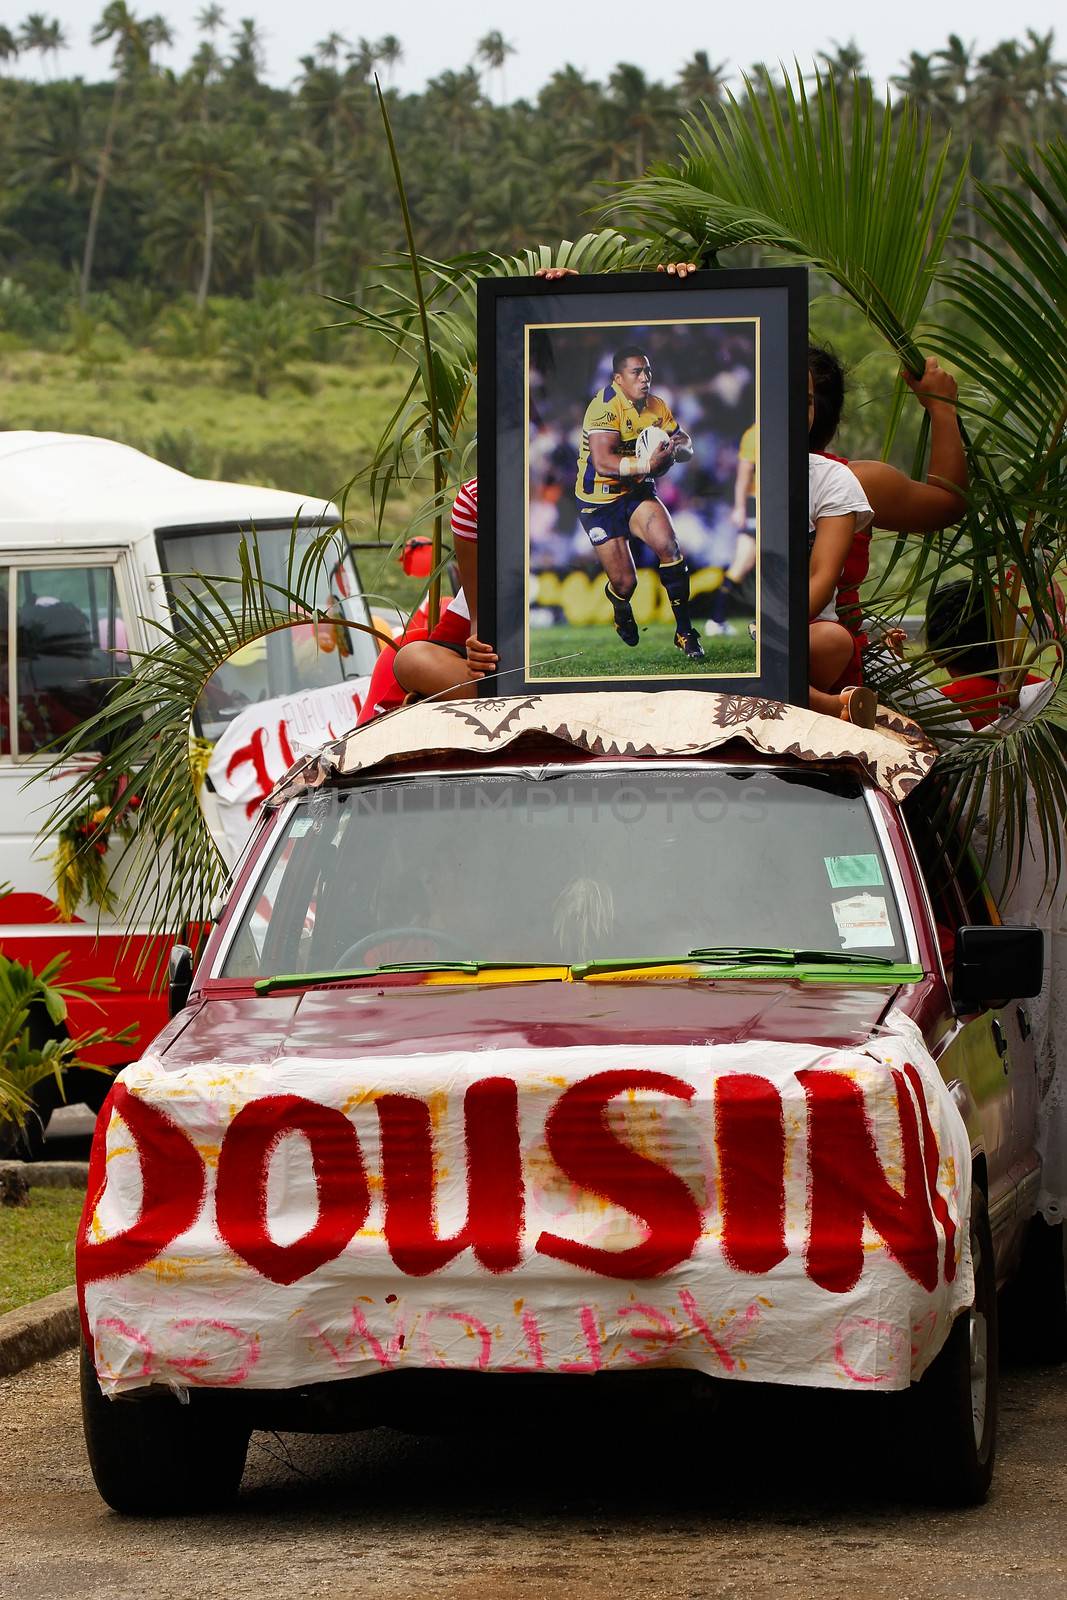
291, 659
569, 868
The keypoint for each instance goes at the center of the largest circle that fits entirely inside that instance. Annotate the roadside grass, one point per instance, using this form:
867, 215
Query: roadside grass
37, 1245
601, 654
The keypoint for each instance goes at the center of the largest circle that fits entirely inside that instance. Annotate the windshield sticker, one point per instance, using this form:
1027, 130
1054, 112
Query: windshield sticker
846, 872
863, 922
301, 826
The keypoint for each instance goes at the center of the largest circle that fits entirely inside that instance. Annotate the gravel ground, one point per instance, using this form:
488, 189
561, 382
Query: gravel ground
736, 1503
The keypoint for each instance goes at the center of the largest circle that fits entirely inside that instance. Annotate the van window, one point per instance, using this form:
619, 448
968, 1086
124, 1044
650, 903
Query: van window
283, 662
70, 646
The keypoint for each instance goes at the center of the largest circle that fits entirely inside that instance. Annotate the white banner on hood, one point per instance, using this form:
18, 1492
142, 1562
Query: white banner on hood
768, 1212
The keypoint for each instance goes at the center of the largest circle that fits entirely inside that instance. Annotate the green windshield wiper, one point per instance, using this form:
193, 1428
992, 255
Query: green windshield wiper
739, 956
308, 980
754, 955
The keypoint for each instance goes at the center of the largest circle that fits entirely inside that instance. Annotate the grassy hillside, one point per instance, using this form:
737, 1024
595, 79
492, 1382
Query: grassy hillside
311, 433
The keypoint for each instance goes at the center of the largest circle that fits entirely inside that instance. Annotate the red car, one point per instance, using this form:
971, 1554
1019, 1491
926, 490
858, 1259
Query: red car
570, 1036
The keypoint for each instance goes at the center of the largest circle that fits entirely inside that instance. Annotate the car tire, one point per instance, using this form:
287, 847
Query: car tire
1034, 1304
155, 1457
953, 1437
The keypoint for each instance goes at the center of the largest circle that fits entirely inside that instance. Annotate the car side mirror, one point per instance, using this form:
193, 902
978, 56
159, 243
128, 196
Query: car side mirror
179, 977
994, 965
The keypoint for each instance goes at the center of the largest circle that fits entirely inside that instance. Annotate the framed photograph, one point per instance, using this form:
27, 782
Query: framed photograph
642, 455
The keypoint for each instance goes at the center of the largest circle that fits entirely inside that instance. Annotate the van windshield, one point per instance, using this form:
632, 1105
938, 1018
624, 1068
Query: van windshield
574, 867
281, 663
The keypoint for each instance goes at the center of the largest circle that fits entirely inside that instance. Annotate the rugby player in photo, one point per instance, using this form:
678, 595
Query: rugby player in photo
629, 439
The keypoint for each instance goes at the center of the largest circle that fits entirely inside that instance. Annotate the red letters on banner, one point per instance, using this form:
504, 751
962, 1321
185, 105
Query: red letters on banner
586, 1151
493, 1228
172, 1190
848, 1185
750, 1139
241, 1185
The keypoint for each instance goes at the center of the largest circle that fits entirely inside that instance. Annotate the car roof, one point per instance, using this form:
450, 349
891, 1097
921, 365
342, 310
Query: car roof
895, 755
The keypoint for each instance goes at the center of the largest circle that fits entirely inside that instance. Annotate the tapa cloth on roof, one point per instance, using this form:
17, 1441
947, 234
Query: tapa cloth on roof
896, 754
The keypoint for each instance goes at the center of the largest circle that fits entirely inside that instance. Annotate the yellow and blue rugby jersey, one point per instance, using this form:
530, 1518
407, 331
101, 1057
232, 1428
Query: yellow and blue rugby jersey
610, 411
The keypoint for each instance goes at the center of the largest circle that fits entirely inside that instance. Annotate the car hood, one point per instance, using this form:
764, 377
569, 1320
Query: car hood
425, 1019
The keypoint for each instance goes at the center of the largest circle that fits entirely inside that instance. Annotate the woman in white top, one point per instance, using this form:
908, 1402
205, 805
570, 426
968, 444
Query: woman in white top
837, 510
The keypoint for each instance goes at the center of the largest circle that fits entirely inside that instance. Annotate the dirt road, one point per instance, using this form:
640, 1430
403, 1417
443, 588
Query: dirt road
769, 1496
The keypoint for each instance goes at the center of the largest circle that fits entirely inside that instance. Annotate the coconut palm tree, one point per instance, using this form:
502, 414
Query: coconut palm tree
203, 163
390, 53
56, 41
637, 118
568, 99
363, 59
455, 99
209, 19
847, 61
9, 44
956, 67
493, 50
133, 39
924, 87
56, 149
700, 81
247, 58
1045, 78
40, 33
266, 208
329, 49
998, 100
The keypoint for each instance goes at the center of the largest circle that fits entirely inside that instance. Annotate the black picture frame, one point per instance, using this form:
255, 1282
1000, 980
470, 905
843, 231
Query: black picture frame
772, 304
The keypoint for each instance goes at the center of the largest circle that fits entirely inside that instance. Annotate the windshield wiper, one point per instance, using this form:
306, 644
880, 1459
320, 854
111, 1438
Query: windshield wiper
737, 956
754, 955
309, 980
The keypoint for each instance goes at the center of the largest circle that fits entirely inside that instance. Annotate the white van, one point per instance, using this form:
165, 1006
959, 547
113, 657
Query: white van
91, 533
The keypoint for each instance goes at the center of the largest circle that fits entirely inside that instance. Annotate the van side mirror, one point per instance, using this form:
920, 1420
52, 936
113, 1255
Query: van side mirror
179, 977
994, 965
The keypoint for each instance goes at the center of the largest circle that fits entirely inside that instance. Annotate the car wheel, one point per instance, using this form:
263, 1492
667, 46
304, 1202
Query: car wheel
954, 1404
1034, 1305
154, 1456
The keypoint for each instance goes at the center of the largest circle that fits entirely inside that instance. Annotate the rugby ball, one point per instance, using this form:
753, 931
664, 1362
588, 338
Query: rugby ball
647, 441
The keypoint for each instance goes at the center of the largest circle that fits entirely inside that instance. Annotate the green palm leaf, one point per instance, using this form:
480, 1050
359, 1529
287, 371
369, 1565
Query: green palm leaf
169, 872
861, 196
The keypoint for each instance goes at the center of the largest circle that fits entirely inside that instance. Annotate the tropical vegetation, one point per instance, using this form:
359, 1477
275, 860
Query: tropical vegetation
34, 1044
210, 180
934, 245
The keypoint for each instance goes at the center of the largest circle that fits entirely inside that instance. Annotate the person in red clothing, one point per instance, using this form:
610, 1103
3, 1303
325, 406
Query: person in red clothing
447, 664
425, 662
958, 633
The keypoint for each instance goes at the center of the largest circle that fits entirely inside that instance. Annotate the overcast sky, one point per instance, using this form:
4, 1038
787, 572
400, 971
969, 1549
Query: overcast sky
550, 33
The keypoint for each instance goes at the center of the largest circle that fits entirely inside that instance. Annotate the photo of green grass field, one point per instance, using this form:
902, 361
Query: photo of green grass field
596, 651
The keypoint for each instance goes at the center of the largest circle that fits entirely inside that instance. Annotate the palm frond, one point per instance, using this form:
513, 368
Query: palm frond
169, 872
775, 167
430, 435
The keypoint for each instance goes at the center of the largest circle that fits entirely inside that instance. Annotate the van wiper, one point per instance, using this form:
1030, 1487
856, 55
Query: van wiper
309, 980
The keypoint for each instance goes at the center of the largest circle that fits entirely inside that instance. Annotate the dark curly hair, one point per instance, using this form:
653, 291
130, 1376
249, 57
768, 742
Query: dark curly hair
958, 627
828, 381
